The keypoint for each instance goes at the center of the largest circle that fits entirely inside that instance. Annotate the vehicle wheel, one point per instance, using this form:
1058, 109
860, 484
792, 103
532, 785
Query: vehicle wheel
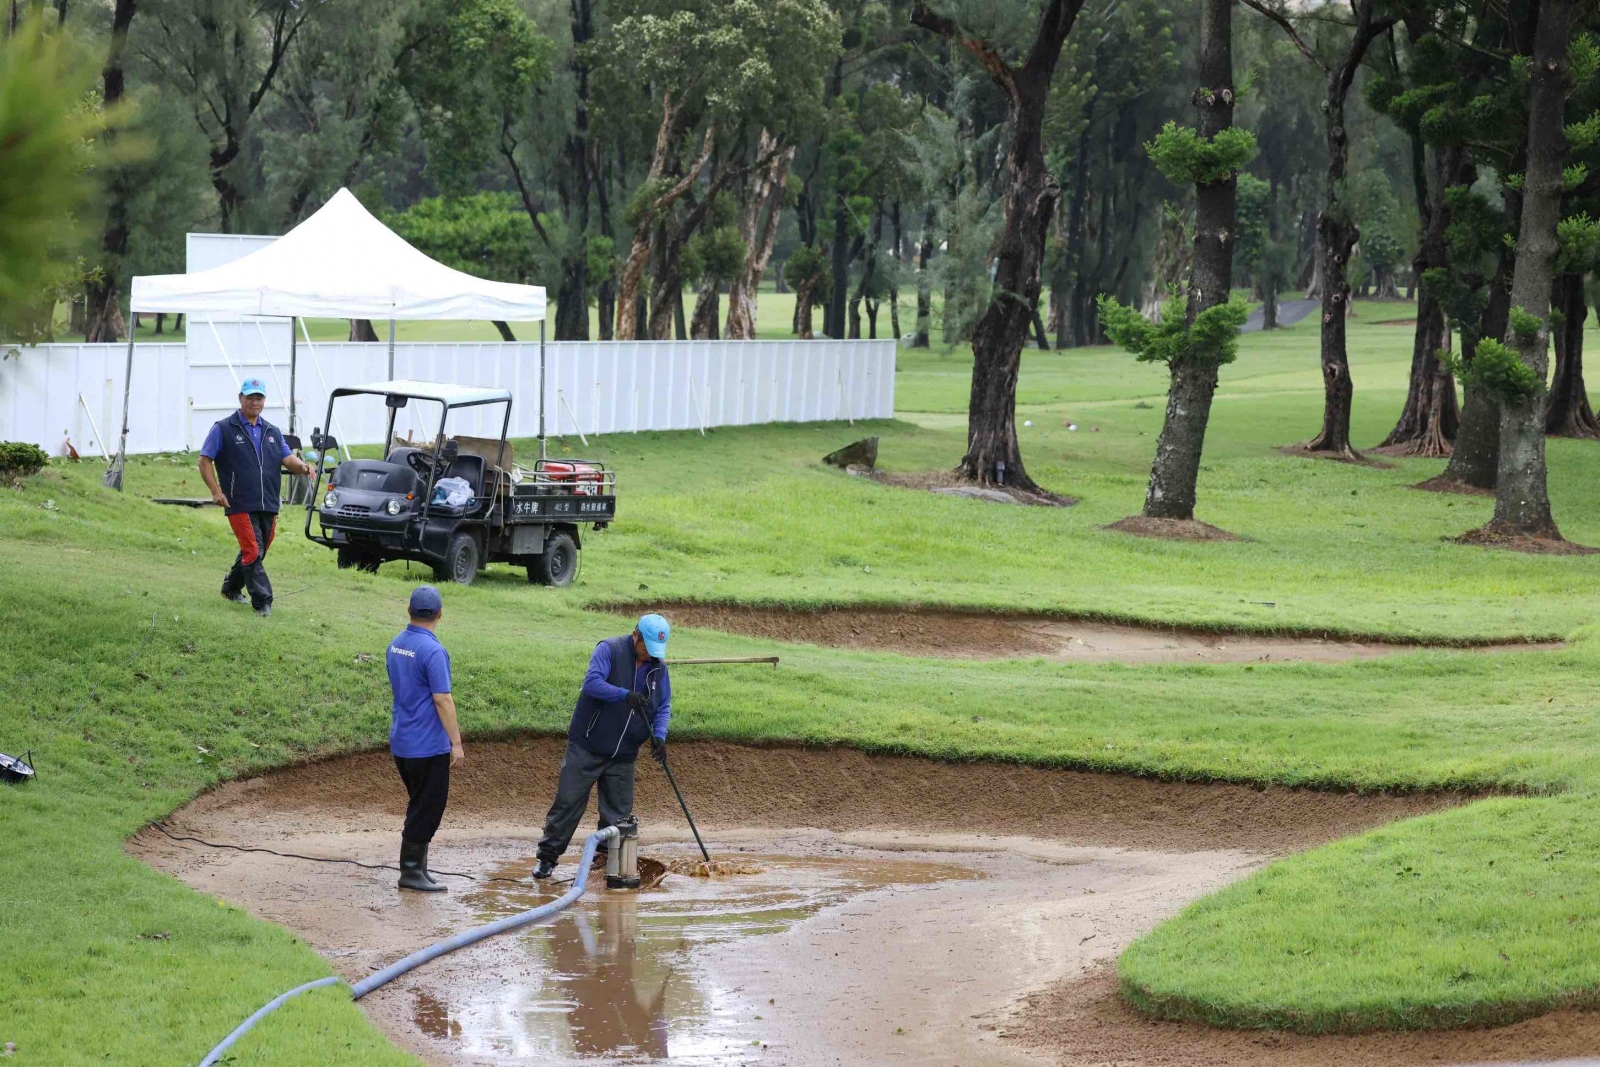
370, 564
460, 562
559, 563
348, 557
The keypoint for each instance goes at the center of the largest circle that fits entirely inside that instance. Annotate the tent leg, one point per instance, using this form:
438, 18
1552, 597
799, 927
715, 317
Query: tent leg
112, 479
291, 373
391, 350
541, 389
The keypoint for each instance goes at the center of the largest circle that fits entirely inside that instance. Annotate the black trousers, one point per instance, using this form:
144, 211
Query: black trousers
427, 782
580, 770
254, 531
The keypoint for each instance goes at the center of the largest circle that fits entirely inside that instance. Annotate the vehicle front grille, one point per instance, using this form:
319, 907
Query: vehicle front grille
354, 511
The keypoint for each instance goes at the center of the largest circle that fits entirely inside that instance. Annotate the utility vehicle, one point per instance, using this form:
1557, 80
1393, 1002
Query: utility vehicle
380, 510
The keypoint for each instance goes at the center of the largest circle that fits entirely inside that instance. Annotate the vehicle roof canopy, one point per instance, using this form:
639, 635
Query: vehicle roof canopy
455, 396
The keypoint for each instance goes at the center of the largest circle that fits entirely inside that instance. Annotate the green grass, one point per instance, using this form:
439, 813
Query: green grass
132, 717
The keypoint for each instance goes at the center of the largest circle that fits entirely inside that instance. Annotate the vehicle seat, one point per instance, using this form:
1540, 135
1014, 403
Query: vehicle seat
472, 468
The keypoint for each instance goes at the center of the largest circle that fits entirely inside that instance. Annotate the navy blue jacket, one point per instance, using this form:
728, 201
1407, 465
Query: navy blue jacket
602, 722
249, 478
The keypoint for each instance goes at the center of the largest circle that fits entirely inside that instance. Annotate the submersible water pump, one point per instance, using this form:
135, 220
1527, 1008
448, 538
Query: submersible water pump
622, 859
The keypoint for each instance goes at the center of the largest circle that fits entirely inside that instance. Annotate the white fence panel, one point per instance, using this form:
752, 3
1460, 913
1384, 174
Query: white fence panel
591, 387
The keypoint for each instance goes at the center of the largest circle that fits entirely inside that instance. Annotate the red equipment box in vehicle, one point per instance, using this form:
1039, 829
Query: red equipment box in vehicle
587, 478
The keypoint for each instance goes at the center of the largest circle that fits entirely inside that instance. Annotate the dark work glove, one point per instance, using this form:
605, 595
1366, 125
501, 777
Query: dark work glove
658, 750
638, 702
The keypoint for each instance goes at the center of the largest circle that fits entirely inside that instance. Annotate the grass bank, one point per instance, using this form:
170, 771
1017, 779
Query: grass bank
139, 687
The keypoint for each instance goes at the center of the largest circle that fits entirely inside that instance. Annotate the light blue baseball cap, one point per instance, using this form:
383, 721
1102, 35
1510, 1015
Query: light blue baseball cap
655, 630
252, 387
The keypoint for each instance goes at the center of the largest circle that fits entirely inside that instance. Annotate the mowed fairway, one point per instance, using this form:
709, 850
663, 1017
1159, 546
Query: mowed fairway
138, 686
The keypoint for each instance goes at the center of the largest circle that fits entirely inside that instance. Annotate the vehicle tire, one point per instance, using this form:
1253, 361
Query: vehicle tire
348, 557
559, 563
370, 564
460, 562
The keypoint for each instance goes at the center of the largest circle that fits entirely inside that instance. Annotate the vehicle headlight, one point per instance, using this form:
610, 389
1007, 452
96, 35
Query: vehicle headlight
331, 500
392, 507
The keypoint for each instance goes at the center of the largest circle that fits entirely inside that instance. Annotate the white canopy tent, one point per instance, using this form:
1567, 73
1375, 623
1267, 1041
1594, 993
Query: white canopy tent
339, 263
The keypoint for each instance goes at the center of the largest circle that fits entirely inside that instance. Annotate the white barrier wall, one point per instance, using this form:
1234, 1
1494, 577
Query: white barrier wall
593, 387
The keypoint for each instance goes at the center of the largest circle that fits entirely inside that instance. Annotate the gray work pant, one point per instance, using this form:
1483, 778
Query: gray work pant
580, 770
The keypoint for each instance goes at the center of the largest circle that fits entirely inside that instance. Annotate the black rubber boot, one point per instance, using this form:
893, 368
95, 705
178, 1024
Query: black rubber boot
414, 868
545, 869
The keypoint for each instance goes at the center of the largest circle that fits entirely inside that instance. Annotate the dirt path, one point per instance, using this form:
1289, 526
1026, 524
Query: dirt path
979, 636
907, 911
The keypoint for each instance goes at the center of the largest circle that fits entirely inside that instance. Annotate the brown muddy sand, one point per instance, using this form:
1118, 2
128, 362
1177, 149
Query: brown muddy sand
978, 636
893, 910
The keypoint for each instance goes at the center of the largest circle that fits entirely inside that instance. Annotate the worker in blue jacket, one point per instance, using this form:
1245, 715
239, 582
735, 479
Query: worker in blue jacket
626, 701
241, 462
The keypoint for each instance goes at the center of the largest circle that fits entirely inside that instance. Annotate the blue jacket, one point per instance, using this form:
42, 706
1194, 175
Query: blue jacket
602, 722
249, 477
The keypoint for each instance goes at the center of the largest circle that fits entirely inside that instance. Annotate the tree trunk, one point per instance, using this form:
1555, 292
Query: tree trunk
1071, 274
839, 262
504, 329
606, 308
1176, 469
361, 330
628, 316
1567, 413
1430, 419
802, 310
924, 285
899, 272
703, 327
680, 331
763, 211
102, 297
1522, 497
872, 319
1337, 235
572, 299
1269, 305
1030, 198
1040, 338
161, 323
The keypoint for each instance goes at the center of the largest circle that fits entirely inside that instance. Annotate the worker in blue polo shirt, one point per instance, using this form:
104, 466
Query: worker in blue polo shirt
240, 463
625, 701
424, 737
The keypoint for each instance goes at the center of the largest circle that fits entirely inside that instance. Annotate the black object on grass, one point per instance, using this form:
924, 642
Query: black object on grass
16, 771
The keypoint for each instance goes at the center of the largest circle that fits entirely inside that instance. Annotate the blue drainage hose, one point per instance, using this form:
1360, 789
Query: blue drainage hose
417, 959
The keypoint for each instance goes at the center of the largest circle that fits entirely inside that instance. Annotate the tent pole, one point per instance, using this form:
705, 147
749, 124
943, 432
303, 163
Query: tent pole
541, 389
291, 373
391, 350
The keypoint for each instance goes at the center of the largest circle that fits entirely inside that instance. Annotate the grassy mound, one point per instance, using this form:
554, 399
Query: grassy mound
1474, 917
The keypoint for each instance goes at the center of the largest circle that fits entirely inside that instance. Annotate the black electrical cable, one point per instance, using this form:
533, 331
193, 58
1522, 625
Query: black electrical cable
330, 859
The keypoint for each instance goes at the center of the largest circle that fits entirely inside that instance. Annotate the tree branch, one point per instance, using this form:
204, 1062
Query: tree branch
985, 53
1287, 27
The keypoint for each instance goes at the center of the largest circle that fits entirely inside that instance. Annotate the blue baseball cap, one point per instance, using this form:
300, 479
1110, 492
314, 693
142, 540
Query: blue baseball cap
654, 630
252, 387
425, 602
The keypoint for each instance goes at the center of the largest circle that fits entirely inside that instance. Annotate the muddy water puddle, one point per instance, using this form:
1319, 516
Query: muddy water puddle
615, 977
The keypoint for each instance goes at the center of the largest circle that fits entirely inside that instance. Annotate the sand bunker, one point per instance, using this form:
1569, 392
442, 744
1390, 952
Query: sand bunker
889, 910
979, 636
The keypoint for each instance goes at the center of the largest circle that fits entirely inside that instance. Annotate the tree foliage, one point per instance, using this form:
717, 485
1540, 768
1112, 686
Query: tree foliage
1213, 338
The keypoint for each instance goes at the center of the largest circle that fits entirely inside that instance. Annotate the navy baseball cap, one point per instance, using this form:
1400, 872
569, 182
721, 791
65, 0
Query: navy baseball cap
425, 602
654, 630
252, 387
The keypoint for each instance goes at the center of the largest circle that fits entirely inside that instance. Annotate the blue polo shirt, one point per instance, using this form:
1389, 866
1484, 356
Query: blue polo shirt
419, 667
